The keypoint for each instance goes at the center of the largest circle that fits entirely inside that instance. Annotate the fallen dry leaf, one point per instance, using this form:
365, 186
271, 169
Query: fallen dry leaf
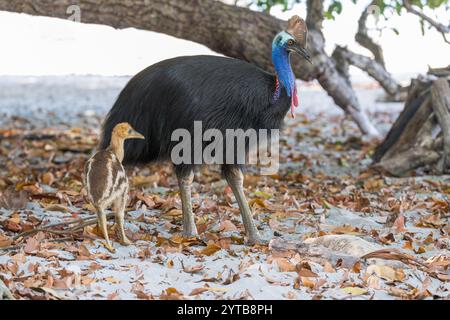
355, 291
210, 249
386, 272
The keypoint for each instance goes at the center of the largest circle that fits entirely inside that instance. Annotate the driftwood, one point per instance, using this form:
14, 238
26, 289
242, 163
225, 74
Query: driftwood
420, 138
439, 72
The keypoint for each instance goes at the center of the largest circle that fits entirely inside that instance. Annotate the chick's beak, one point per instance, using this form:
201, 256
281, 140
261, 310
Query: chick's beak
301, 52
135, 135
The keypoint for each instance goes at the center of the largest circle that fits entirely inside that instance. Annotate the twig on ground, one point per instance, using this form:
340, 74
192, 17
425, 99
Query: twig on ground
49, 228
395, 254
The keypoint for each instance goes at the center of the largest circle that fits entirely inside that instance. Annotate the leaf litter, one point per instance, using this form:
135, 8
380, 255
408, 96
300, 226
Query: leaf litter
339, 230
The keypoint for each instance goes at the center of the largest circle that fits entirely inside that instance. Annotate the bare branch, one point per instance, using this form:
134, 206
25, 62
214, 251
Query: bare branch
443, 29
372, 67
329, 76
363, 38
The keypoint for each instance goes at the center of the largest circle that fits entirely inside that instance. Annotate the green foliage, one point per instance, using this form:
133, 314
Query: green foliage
266, 5
385, 8
336, 6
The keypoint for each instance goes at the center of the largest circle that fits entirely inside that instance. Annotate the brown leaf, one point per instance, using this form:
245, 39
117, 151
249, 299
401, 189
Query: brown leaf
346, 229
83, 253
86, 280
307, 282
443, 277
64, 283
399, 224
386, 272
113, 296
31, 246
48, 178
304, 272
356, 267
227, 225
284, 265
173, 213
328, 267
198, 291
194, 269
143, 295
147, 199
57, 208
210, 249
5, 243
112, 280
12, 224
14, 200
171, 294
408, 245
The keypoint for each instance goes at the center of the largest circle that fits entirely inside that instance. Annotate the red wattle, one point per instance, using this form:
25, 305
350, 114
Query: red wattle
294, 102
295, 98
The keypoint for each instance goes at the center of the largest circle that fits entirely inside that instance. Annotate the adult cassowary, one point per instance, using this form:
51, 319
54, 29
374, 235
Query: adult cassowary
222, 93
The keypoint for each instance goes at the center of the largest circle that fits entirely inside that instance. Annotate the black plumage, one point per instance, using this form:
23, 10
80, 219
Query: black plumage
223, 93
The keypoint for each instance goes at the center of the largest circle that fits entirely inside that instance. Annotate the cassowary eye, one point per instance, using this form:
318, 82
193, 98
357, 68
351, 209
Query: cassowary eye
290, 42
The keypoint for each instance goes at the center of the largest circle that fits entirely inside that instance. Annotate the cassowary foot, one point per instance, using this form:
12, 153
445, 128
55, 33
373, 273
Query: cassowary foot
109, 247
256, 240
189, 234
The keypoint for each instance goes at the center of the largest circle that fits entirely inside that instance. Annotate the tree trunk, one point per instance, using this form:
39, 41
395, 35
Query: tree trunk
233, 31
421, 135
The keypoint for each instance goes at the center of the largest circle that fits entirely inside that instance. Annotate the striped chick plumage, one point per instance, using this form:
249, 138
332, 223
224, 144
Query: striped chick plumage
106, 181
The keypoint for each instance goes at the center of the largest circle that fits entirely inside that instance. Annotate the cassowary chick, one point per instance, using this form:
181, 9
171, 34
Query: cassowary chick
107, 183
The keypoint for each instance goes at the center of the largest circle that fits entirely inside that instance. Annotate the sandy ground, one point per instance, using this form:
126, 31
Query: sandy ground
310, 203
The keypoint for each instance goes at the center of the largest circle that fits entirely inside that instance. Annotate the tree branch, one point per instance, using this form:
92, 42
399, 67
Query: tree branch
79, 224
372, 67
336, 84
443, 29
314, 17
362, 37
233, 31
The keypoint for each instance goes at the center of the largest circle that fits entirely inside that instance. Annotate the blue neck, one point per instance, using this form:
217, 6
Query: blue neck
282, 64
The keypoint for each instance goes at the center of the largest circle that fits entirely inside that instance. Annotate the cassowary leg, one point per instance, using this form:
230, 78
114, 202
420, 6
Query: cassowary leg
185, 178
102, 224
235, 179
119, 210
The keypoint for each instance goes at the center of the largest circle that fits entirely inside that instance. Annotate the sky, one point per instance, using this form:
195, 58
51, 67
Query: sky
48, 46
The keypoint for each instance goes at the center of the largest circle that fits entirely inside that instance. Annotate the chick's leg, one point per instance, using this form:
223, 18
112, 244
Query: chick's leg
235, 179
185, 178
119, 211
101, 218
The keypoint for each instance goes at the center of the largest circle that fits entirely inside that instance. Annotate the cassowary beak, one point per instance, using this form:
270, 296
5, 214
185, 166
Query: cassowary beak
301, 52
135, 135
